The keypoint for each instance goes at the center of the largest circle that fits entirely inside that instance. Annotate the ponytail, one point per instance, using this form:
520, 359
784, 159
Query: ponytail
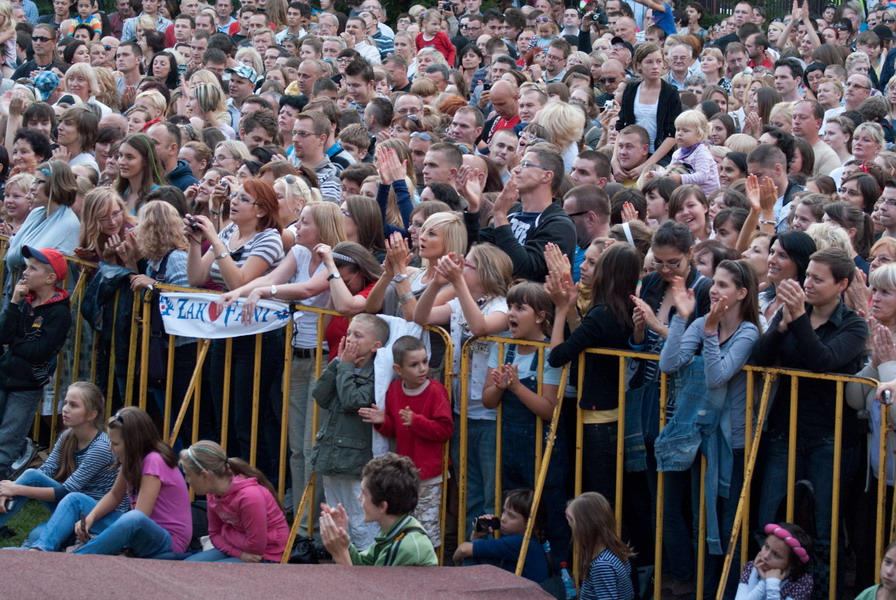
211, 457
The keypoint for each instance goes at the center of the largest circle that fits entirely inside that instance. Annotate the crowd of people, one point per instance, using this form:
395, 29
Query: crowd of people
629, 174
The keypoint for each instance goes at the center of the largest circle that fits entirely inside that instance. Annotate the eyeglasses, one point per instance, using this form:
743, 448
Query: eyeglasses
671, 265
243, 199
890, 20
426, 137
469, 265
107, 47
529, 163
113, 217
542, 20
840, 28
578, 101
469, 27
607, 80
343, 60
413, 110
41, 38
303, 134
856, 85
882, 259
577, 214
464, 149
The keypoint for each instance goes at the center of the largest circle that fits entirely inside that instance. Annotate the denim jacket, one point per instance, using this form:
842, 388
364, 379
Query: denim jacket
703, 407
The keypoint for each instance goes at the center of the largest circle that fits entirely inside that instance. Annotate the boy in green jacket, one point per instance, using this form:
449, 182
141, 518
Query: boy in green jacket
388, 495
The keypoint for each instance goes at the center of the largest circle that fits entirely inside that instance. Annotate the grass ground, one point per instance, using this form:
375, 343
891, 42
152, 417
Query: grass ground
31, 515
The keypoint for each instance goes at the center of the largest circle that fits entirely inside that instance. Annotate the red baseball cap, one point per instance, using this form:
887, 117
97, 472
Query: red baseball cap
48, 256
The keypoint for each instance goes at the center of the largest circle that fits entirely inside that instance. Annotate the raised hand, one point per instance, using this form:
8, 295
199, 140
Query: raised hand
372, 414
471, 181
450, 268
397, 255
768, 194
683, 299
752, 192
716, 312
555, 259
628, 212
506, 199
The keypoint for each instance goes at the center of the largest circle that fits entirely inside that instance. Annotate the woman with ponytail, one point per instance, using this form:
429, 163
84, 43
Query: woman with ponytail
245, 521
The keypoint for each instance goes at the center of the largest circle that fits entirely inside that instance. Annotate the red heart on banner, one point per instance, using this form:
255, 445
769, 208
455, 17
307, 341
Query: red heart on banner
214, 311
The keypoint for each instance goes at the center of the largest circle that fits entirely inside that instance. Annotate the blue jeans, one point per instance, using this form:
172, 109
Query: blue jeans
599, 470
116, 531
16, 416
815, 462
481, 439
31, 478
213, 555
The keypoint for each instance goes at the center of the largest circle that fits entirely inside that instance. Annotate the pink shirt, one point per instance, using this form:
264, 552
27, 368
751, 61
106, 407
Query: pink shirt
172, 510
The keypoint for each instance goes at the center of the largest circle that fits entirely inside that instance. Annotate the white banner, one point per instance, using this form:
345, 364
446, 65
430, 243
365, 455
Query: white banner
199, 315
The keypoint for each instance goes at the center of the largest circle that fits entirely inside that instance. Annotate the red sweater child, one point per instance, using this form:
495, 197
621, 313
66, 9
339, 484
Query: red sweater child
440, 42
431, 424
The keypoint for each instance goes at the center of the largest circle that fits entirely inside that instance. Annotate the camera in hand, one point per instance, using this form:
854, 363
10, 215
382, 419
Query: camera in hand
483, 523
448, 5
193, 225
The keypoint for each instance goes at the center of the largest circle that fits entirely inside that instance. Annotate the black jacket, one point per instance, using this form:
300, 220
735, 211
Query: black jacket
182, 176
31, 337
667, 110
553, 225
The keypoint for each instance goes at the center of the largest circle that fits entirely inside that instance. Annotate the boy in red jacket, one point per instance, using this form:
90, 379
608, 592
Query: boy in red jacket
418, 416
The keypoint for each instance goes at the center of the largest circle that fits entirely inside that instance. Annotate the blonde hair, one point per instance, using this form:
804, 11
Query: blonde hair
234, 147
695, 120
494, 269
453, 230
328, 220
854, 58
436, 55
6, 13
160, 231
205, 76
23, 180
155, 99
717, 54
106, 91
254, 56
144, 21
296, 194
830, 235
741, 142
884, 277
783, 110
97, 203
565, 123
85, 71
872, 129
747, 80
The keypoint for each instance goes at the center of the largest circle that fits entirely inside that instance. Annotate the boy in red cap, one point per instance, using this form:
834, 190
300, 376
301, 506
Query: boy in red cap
32, 330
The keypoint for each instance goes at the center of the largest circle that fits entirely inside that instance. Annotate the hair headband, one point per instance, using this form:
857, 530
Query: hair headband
628, 233
344, 258
195, 462
210, 450
780, 532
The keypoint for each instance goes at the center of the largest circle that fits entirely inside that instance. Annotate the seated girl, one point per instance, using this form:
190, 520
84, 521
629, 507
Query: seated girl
887, 587
780, 570
80, 461
160, 520
603, 556
245, 521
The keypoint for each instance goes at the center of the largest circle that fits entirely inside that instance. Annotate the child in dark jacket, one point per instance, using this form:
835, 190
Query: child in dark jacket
344, 443
418, 416
32, 330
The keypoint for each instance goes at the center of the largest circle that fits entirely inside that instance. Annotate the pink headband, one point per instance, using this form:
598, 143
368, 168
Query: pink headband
780, 532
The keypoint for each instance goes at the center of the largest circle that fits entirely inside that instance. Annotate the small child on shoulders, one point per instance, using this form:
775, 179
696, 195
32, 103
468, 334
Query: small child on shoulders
418, 416
691, 132
344, 442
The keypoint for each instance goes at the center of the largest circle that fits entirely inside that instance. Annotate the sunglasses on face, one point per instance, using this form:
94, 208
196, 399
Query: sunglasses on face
40, 38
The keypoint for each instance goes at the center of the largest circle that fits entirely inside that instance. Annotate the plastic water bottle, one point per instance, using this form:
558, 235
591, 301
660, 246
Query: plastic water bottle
568, 583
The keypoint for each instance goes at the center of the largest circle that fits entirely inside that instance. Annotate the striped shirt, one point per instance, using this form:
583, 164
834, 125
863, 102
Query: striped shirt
266, 244
94, 475
608, 579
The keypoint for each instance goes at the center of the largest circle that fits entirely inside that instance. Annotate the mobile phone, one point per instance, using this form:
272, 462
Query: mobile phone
484, 523
486, 86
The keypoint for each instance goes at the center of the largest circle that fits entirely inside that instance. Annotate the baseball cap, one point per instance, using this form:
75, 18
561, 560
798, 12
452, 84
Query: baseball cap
619, 40
46, 82
48, 256
244, 71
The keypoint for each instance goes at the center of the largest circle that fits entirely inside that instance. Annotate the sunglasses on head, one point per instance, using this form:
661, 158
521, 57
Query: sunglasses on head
422, 135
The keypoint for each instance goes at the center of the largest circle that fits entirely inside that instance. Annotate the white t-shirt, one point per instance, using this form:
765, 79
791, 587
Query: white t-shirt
460, 333
305, 329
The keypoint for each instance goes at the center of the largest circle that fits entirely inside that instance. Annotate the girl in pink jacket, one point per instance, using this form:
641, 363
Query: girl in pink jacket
245, 521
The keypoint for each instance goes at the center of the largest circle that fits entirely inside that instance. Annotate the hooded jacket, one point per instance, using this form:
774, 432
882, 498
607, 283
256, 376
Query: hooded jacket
247, 519
30, 337
182, 176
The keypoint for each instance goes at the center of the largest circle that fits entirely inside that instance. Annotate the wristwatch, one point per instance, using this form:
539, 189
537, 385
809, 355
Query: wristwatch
399, 278
273, 290
333, 276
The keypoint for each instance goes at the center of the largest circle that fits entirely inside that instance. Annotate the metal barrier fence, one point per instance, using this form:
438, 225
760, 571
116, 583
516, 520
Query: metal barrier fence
135, 373
755, 422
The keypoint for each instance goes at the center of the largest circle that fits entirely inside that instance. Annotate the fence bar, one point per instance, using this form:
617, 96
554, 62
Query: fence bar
110, 389
169, 385
791, 447
132, 351
660, 498
740, 515
225, 411
192, 394
543, 471
307, 499
284, 414
256, 399
620, 444
701, 535
835, 492
499, 416
881, 491
144, 347
748, 445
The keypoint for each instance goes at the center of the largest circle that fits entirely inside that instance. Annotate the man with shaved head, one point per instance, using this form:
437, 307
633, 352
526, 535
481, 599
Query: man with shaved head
309, 72
503, 98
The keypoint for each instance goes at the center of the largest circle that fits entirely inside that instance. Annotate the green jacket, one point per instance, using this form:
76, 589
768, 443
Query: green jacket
343, 444
404, 545
868, 594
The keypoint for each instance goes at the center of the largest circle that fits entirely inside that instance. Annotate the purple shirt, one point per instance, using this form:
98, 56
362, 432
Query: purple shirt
172, 510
